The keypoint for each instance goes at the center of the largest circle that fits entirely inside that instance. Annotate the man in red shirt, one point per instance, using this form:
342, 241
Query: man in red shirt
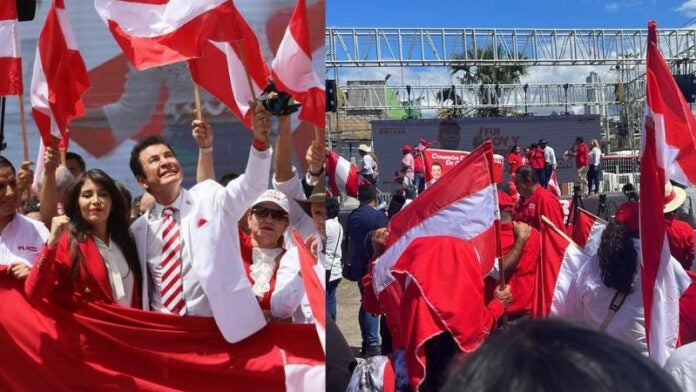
535, 201
581, 155
680, 235
538, 163
521, 247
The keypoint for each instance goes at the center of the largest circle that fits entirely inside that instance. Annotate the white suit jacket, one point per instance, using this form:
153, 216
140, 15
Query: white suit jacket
209, 216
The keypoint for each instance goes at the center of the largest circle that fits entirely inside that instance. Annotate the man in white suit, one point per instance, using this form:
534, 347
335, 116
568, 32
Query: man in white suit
211, 277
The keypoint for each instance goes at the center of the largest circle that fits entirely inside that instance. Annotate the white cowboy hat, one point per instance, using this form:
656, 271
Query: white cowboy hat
364, 148
674, 197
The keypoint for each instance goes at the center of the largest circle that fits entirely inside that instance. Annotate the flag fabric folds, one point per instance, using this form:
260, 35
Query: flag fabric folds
553, 185
225, 62
293, 71
10, 53
60, 77
587, 231
104, 347
560, 261
314, 286
669, 152
343, 175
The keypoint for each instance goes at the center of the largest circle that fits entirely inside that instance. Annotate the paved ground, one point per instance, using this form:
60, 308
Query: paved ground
348, 300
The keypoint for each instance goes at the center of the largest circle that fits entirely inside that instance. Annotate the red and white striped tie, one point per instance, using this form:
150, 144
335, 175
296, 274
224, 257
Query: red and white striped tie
172, 287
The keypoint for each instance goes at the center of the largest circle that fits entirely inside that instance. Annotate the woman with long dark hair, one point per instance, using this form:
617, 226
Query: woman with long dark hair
612, 278
90, 254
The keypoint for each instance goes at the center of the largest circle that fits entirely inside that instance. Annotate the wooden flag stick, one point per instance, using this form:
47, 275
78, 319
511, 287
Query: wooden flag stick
197, 100
23, 121
242, 54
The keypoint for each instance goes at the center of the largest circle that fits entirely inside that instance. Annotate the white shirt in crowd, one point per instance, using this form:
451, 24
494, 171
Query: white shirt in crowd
196, 302
682, 366
334, 236
595, 156
120, 275
368, 165
22, 240
549, 155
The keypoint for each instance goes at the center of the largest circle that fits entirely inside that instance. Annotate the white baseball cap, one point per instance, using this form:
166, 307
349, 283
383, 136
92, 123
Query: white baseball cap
275, 197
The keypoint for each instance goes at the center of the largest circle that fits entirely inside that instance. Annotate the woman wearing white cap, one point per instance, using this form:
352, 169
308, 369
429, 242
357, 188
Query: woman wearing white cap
272, 270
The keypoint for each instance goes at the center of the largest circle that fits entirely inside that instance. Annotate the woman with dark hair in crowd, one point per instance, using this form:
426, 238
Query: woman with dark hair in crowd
612, 278
90, 254
514, 160
552, 355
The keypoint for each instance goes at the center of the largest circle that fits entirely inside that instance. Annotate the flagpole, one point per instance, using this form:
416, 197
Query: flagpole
23, 121
248, 77
197, 100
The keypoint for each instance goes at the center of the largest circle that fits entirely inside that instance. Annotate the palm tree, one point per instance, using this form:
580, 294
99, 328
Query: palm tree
489, 76
457, 106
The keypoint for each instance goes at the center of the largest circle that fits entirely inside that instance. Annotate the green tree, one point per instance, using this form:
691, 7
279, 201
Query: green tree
456, 106
490, 77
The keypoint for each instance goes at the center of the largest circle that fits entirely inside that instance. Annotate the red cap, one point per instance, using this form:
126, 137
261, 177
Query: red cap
505, 201
406, 149
627, 215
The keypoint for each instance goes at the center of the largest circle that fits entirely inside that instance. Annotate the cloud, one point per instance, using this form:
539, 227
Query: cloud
612, 7
688, 7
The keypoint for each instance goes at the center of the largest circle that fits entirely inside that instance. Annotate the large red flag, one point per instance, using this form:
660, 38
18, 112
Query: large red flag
10, 53
343, 175
225, 61
587, 231
293, 71
561, 259
60, 77
669, 151
314, 288
154, 33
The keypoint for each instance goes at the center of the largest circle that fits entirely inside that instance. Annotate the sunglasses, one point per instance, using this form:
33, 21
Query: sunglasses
263, 212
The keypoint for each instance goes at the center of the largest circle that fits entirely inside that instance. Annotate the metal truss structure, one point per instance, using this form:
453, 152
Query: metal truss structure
378, 47
467, 96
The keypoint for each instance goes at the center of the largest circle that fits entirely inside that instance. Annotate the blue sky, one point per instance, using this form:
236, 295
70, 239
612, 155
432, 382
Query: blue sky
506, 14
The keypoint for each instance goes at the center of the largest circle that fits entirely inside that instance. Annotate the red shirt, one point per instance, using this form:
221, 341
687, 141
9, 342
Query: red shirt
418, 164
538, 161
581, 155
682, 241
542, 202
522, 279
515, 161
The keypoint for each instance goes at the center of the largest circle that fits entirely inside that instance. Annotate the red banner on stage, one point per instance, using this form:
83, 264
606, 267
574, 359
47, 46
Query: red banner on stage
446, 160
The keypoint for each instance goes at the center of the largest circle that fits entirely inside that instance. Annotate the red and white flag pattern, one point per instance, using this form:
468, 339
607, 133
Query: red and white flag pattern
463, 203
293, 71
587, 231
560, 261
223, 66
553, 186
314, 286
343, 175
669, 152
10, 54
60, 77
152, 33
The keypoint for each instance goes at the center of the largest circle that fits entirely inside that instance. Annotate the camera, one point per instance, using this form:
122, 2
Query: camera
278, 103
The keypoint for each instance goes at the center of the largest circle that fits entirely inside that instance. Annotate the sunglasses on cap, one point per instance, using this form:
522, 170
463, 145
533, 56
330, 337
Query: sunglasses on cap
263, 212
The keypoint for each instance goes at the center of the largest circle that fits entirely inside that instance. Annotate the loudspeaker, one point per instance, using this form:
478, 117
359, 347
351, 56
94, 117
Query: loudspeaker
26, 9
331, 97
686, 86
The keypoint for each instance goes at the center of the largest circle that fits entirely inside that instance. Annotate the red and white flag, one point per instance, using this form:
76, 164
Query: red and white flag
314, 286
10, 53
463, 203
60, 77
669, 152
293, 71
154, 33
223, 66
343, 175
423, 144
553, 186
587, 231
560, 261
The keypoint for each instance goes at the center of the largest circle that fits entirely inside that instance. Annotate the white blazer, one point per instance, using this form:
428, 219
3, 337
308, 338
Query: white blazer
209, 216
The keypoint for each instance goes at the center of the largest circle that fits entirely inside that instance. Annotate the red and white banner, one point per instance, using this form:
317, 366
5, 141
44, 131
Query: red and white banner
154, 33
293, 71
223, 66
669, 152
314, 286
587, 231
343, 175
10, 53
448, 159
560, 261
60, 77
463, 204
553, 185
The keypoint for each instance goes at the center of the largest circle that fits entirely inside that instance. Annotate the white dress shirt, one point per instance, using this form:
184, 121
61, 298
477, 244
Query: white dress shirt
196, 301
119, 273
334, 237
549, 155
368, 165
595, 156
